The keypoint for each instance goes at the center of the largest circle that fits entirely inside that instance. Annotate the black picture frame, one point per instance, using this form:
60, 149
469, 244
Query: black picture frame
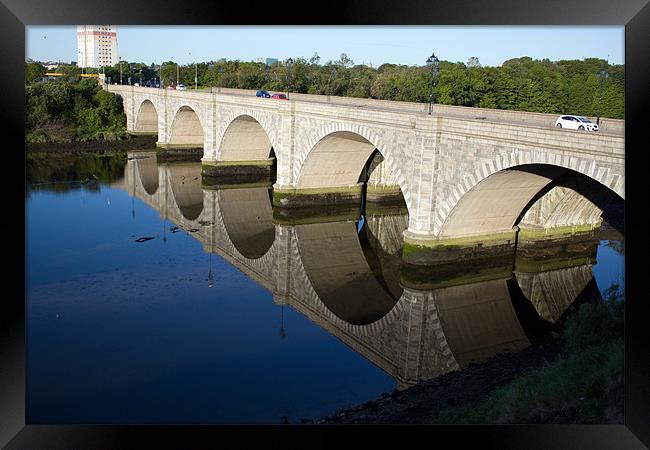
15, 15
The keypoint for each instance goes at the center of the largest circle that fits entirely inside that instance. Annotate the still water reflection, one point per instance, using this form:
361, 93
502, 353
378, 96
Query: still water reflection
152, 299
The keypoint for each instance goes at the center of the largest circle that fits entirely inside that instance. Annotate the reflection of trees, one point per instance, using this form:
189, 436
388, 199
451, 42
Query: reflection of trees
69, 167
617, 246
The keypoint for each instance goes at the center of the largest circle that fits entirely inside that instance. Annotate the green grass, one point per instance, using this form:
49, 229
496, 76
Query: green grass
574, 388
573, 385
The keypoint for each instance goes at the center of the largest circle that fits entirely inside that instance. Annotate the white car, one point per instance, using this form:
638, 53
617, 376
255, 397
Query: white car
576, 123
181, 87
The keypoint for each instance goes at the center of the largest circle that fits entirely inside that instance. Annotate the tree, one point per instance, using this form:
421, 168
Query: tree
473, 62
34, 72
315, 59
345, 61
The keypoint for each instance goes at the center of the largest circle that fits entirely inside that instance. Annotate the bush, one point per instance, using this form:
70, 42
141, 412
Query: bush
64, 111
596, 324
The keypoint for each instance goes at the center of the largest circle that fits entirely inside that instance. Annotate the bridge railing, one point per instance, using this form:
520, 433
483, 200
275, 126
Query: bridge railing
607, 125
569, 140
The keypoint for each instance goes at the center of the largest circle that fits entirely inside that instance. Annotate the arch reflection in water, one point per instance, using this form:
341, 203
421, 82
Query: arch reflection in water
184, 180
352, 283
248, 218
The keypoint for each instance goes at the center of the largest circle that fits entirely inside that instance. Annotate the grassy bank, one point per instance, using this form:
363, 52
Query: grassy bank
584, 384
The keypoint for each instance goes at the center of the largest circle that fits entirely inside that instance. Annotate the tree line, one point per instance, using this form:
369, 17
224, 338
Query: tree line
520, 84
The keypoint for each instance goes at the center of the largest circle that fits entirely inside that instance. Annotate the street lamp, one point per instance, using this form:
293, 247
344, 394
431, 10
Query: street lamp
602, 75
120, 70
196, 73
434, 62
162, 80
83, 64
332, 74
289, 65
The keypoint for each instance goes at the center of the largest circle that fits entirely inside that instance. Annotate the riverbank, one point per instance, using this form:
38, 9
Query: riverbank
576, 377
133, 143
420, 403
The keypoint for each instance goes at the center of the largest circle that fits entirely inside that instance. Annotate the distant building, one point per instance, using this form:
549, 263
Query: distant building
267, 61
97, 45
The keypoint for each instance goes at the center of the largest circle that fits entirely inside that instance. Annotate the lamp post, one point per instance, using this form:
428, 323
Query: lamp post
434, 62
332, 74
120, 70
196, 73
289, 65
83, 64
602, 75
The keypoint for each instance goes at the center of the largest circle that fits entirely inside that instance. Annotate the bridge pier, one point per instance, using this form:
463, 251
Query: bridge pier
238, 173
288, 197
428, 250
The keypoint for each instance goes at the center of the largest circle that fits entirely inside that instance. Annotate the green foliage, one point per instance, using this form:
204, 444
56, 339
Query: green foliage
34, 72
520, 84
573, 388
66, 111
596, 324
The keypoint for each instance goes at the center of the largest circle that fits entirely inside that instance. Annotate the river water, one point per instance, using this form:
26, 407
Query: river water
152, 299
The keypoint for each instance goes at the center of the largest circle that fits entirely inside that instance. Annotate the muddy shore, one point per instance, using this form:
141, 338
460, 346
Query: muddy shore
418, 404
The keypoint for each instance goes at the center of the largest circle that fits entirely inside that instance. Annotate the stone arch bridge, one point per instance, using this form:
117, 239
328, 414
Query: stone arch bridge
320, 269
465, 174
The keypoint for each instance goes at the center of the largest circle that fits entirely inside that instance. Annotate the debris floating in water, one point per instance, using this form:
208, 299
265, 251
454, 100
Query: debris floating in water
144, 239
174, 229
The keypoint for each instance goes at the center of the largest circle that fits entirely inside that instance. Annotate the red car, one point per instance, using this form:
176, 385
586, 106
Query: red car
279, 97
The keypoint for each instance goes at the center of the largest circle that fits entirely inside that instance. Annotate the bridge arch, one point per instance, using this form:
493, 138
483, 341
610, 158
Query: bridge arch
498, 201
146, 120
186, 129
363, 139
244, 137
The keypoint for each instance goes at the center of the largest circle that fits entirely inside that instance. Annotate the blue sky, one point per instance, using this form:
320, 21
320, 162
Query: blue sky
410, 45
